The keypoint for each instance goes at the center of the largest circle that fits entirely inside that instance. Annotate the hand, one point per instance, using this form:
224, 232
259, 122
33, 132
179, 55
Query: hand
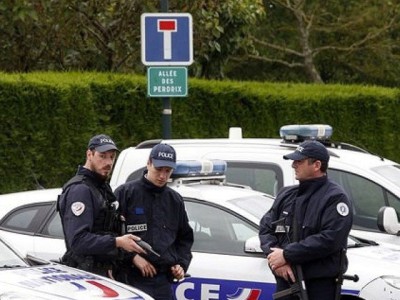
177, 272
286, 272
128, 243
146, 268
276, 258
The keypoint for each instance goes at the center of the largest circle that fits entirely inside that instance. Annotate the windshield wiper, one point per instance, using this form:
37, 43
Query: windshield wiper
11, 266
360, 242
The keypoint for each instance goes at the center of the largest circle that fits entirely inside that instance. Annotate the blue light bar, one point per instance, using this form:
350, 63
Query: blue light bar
306, 132
198, 168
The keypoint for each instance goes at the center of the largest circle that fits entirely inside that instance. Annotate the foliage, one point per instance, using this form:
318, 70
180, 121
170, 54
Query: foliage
104, 35
221, 30
331, 41
48, 118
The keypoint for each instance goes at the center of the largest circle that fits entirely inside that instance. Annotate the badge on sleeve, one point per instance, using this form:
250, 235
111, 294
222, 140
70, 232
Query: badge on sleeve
77, 208
342, 209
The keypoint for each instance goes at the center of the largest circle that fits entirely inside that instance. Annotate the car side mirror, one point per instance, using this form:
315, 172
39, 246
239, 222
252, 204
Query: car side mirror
252, 245
388, 221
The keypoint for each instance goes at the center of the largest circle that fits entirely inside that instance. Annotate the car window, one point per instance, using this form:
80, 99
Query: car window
391, 173
367, 197
27, 218
395, 203
217, 230
264, 177
53, 227
136, 174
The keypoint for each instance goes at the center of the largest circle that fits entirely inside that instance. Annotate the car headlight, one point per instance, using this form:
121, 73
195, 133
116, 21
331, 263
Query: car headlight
393, 281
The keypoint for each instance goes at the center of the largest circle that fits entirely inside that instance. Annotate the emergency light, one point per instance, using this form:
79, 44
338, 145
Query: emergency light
198, 168
295, 133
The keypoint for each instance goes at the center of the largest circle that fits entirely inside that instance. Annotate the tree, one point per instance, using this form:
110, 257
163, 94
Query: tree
221, 31
70, 34
104, 35
304, 34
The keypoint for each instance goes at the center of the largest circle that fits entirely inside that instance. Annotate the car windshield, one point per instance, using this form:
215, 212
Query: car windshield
391, 173
9, 258
254, 205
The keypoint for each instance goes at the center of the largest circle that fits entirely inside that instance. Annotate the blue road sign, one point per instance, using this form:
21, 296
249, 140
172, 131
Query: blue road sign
167, 39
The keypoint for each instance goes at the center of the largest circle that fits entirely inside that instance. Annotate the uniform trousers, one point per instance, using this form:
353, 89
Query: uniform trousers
159, 286
317, 289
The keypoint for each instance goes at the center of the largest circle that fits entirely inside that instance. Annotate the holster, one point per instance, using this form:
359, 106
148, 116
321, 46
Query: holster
85, 263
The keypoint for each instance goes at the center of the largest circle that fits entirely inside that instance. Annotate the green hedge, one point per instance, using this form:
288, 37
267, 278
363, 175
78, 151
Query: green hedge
48, 118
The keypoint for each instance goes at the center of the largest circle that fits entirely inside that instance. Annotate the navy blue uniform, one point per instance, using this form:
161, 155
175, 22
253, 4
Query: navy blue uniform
158, 216
324, 218
83, 208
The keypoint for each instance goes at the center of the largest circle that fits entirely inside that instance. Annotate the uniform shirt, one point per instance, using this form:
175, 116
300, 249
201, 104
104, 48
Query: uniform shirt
83, 215
158, 216
324, 219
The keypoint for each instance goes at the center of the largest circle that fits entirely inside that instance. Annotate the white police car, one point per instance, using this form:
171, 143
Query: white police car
227, 260
40, 280
370, 181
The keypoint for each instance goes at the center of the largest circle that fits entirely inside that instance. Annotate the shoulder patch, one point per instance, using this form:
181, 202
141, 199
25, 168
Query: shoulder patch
342, 209
77, 208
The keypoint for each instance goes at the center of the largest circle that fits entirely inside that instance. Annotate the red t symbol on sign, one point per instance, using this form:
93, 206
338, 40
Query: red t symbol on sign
167, 26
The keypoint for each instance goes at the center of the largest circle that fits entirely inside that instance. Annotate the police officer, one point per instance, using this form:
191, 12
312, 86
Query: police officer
156, 213
87, 208
308, 226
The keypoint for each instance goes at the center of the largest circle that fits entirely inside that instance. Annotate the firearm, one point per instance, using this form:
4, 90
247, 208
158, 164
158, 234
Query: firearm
147, 247
342, 276
140, 242
298, 287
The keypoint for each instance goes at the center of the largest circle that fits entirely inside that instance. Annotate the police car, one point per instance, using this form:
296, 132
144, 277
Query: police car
371, 181
32, 278
227, 260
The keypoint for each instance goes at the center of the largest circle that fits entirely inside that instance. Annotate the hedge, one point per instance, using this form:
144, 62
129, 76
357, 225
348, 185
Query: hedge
48, 118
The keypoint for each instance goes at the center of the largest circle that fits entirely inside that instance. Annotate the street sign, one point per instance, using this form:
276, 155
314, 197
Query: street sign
167, 39
167, 82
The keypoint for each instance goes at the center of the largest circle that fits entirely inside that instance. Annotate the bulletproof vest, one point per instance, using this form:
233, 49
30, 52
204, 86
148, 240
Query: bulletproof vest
106, 220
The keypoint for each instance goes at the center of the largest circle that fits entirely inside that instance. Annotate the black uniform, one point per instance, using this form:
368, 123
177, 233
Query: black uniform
87, 210
158, 216
324, 218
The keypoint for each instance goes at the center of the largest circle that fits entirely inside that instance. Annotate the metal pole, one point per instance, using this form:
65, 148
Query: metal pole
167, 110
164, 5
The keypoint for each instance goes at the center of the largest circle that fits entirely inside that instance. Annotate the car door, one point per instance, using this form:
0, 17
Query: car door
220, 268
35, 229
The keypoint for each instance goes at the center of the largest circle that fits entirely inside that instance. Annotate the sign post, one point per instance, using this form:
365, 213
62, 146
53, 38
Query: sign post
167, 48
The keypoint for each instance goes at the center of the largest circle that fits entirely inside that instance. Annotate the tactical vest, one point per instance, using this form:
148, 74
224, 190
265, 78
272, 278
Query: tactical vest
107, 219
106, 222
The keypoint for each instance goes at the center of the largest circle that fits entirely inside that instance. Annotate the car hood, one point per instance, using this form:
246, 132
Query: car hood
61, 282
379, 252
379, 260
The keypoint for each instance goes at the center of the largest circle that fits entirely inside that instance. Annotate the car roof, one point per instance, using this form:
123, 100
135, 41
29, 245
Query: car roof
342, 156
12, 200
260, 145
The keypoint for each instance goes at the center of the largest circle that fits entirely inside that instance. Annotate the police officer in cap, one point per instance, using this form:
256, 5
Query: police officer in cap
308, 226
157, 214
88, 210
